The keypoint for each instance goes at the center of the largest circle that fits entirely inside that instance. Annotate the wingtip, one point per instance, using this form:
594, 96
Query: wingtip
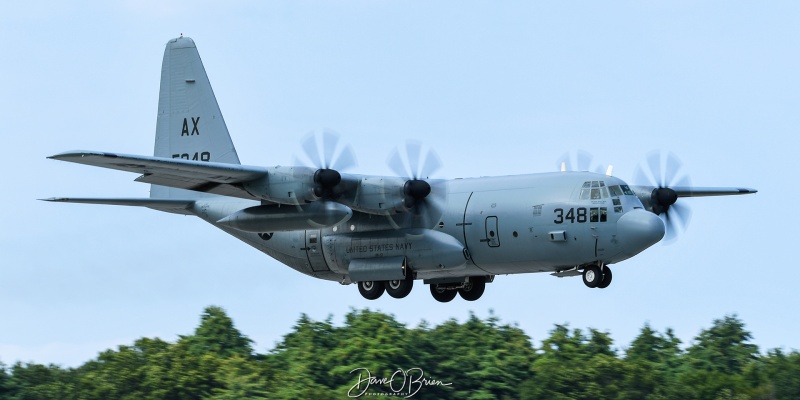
65, 156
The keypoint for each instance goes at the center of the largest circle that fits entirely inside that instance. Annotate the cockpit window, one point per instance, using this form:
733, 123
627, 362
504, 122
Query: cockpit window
615, 190
627, 190
594, 190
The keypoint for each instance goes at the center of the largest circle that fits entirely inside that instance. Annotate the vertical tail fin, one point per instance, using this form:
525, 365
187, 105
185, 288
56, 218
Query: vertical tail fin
190, 124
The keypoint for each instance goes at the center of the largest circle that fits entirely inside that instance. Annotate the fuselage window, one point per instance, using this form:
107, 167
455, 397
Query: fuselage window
598, 214
617, 205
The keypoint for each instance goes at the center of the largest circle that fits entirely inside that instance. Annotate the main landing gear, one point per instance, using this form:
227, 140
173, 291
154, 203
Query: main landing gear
371, 290
595, 277
470, 290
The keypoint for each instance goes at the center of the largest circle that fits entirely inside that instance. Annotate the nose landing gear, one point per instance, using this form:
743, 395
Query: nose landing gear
594, 277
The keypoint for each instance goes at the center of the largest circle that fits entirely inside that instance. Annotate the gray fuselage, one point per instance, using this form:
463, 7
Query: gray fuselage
507, 225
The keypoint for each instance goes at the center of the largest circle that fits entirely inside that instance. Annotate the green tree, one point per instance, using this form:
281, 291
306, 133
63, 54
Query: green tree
652, 363
369, 341
482, 359
575, 366
779, 375
5, 382
217, 335
241, 378
654, 347
301, 361
723, 347
35, 381
120, 374
717, 359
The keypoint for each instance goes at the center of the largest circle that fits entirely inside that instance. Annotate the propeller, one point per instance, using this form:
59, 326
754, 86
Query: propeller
422, 196
664, 171
580, 160
324, 151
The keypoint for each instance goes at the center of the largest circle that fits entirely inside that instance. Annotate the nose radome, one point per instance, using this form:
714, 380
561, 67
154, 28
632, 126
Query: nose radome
639, 229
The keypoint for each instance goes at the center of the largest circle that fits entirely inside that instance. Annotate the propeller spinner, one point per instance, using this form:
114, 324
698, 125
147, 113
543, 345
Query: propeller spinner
423, 200
327, 160
664, 172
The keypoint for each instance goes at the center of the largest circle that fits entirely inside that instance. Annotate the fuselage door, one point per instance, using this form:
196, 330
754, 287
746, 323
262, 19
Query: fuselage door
314, 251
492, 233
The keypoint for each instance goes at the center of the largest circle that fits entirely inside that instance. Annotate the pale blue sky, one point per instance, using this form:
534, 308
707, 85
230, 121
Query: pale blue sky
495, 87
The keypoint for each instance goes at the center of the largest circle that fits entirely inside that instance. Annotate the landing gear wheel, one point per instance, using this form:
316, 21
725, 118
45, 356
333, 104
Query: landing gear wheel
399, 288
592, 276
371, 290
441, 294
473, 290
606, 278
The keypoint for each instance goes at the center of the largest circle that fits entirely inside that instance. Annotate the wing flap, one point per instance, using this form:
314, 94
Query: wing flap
175, 206
198, 185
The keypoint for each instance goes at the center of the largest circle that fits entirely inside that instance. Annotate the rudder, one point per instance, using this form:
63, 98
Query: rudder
189, 124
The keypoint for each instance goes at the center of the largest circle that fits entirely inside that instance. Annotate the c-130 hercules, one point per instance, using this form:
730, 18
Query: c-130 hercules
380, 232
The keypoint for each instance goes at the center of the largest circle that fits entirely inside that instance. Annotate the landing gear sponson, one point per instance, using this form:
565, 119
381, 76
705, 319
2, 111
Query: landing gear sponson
443, 290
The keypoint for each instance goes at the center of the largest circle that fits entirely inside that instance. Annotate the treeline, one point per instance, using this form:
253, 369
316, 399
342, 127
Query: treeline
374, 355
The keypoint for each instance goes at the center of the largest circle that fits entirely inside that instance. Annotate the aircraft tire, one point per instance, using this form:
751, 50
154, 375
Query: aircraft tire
473, 290
592, 276
399, 288
606, 278
371, 290
441, 294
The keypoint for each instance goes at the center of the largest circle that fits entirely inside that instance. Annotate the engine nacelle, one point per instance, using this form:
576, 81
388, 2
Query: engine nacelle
285, 185
378, 196
275, 218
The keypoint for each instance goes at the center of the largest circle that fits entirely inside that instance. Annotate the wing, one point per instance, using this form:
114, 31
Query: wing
688, 191
174, 206
201, 176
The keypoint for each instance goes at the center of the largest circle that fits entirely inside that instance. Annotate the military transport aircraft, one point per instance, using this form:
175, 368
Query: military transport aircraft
385, 232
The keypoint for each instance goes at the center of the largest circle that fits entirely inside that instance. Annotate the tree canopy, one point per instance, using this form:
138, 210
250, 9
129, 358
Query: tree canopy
373, 354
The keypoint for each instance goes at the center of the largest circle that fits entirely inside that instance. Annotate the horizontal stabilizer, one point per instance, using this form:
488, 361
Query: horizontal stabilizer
167, 205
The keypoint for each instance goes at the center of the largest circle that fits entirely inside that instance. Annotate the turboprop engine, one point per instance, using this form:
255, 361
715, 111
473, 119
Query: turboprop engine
294, 185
